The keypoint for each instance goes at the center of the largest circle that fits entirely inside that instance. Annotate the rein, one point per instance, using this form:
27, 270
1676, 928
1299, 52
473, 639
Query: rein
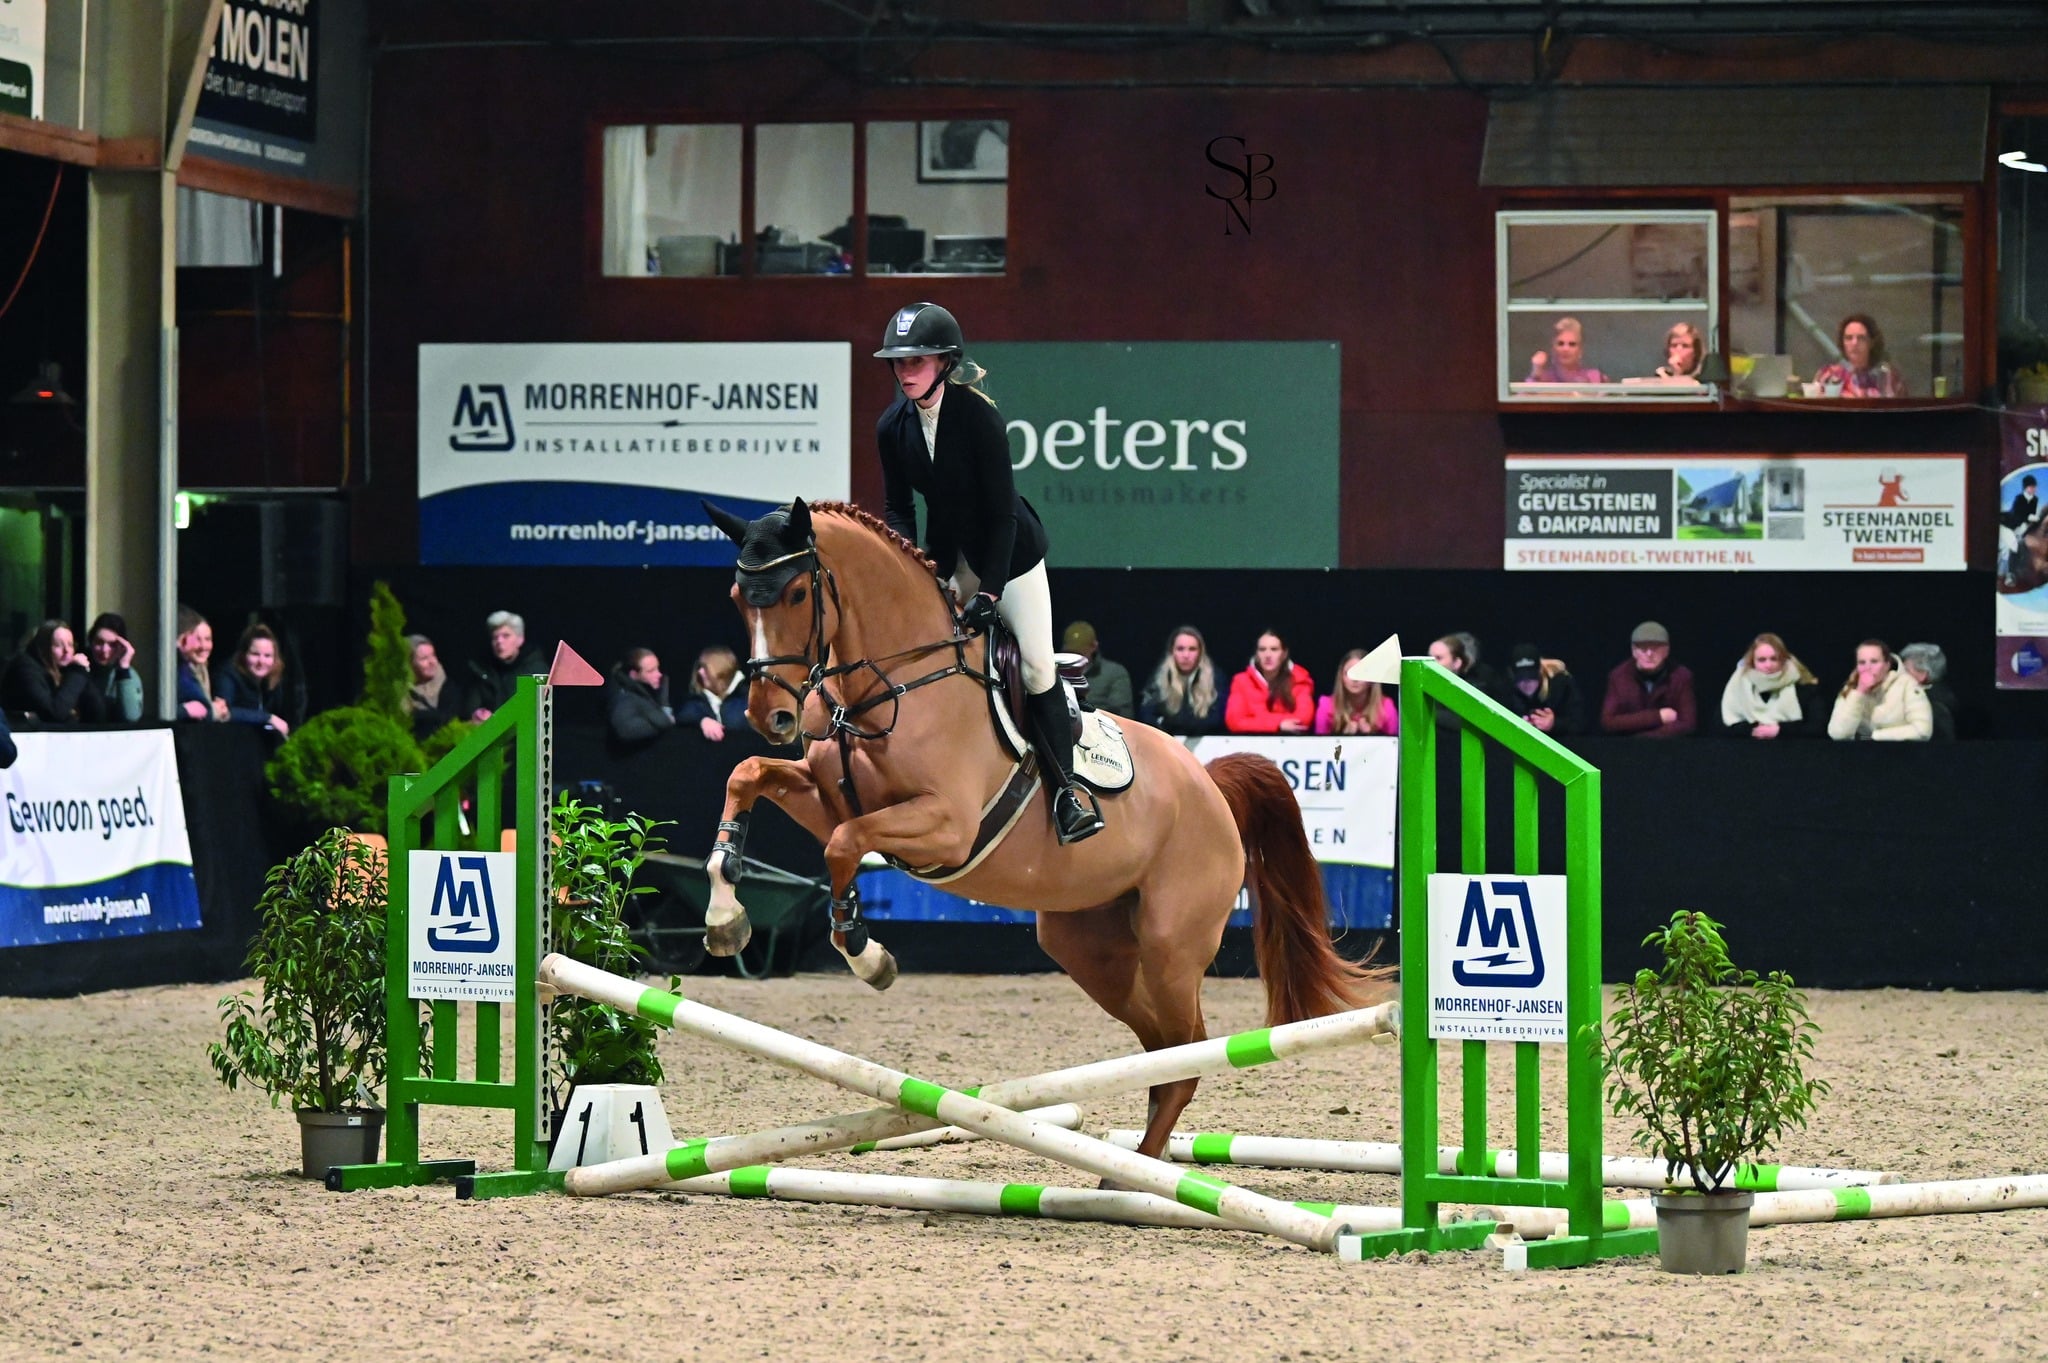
841, 721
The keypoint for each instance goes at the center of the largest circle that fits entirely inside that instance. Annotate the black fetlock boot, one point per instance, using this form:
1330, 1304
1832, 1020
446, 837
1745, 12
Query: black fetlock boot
1052, 736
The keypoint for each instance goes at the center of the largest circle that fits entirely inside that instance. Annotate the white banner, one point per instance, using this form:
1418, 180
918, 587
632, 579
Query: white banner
461, 926
1345, 786
22, 24
1497, 957
1810, 512
95, 843
598, 454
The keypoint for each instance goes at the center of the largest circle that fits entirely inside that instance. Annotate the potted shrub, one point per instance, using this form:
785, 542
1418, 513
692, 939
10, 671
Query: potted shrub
316, 1037
596, 858
1712, 1060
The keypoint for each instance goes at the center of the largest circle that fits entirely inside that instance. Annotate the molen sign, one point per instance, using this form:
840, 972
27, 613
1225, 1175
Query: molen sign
1496, 958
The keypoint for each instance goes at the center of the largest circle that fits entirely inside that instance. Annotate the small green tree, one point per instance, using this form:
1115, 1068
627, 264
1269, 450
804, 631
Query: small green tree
338, 765
595, 860
1710, 1058
317, 1036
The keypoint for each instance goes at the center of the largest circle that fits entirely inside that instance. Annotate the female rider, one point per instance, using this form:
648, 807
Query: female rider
943, 437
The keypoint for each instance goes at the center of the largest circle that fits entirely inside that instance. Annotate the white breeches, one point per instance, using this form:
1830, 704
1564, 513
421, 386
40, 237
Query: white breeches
1026, 608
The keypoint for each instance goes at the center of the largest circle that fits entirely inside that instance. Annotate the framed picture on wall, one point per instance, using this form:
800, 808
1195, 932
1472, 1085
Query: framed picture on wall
968, 149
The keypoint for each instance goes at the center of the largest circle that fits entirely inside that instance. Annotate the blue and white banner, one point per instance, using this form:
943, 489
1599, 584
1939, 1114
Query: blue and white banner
599, 454
1497, 958
462, 936
1347, 791
94, 844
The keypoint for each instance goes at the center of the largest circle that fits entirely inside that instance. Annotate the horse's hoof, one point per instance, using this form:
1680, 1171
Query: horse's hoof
728, 938
874, 965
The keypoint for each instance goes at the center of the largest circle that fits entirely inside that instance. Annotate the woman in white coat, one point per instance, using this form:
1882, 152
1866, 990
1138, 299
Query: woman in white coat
1880, 701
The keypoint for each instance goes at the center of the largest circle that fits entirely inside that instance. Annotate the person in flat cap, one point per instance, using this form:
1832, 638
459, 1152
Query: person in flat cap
1109, 683
1649, 696
1541, 690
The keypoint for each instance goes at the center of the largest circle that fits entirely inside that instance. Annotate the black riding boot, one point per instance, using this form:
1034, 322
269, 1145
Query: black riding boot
1052, 736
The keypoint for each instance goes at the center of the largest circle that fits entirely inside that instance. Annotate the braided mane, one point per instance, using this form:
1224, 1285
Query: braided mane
848, 511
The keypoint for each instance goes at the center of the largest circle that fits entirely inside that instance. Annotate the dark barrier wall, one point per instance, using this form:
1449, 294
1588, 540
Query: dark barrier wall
235, 840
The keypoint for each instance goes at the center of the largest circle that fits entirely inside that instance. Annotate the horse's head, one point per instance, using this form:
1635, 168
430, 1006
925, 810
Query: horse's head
776, 588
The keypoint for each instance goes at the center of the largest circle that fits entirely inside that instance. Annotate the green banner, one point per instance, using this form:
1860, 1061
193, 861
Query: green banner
1174, 454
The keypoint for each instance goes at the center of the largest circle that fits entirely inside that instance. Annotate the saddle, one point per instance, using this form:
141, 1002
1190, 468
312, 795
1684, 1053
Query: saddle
1102, 760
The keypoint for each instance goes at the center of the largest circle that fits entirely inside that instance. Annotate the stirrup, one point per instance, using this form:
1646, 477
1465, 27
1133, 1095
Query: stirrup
1073, 819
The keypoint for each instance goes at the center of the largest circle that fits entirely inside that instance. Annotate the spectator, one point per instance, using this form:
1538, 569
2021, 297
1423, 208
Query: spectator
1879, 701
1683, 351
1477, 670
1183, 697
1565, 362
640, 710
196, 698
115, 692
1649, 696
1356, 706
1928, 665
493, 680
1542, 691
432, 699
1771, 694
1458, 652
718, 695
8, 752
48, 680
253, 684
1863, 371
1273, 695
1109, 684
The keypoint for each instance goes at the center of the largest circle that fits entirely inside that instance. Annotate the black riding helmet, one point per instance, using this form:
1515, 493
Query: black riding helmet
921, 329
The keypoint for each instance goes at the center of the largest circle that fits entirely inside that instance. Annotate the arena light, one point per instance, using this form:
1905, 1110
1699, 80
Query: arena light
2017, 160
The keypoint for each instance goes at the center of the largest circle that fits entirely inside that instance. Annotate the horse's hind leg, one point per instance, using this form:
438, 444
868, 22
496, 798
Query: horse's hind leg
1145, 978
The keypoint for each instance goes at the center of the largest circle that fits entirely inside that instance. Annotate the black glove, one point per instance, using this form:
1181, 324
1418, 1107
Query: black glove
978, 614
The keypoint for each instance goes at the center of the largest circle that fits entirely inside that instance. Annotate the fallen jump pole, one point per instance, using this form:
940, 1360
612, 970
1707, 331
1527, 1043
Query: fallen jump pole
1238, 1206
1949, 1198
787, 1184
1384, 1157
1079, 1083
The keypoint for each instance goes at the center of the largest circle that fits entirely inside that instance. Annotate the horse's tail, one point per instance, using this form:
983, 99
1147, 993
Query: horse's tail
1304, 975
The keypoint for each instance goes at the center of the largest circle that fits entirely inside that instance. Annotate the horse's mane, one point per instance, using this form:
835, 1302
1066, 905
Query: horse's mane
848, 511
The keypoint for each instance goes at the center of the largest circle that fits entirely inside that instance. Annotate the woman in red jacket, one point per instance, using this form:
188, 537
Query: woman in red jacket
1274, 695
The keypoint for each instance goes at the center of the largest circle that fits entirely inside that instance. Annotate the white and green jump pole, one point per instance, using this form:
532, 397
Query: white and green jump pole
1079, 1083
1237, 1206
1384, 1157
1945, 1198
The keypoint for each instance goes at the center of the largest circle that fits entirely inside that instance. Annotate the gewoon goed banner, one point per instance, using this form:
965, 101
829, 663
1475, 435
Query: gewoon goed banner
95, 842
545, 455
1753, 512
2022, 579
1345, 787
1174, 454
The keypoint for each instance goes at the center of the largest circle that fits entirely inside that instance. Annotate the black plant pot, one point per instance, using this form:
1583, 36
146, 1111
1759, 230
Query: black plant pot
330, 1138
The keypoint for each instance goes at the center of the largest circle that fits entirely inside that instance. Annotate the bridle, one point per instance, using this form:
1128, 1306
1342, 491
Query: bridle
842, 720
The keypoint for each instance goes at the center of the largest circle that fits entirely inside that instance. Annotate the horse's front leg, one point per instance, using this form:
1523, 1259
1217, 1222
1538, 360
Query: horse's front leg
920, 832
785, 783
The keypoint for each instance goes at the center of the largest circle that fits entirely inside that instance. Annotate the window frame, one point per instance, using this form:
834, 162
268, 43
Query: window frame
748, 225
1979, 291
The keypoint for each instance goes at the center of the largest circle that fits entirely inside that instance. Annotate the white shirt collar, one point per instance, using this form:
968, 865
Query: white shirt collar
928, 417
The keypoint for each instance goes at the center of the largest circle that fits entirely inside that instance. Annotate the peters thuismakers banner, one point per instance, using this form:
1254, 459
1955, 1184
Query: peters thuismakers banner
1174, 454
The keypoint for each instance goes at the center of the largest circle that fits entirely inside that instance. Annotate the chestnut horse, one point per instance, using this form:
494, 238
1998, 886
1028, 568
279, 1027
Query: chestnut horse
857, 652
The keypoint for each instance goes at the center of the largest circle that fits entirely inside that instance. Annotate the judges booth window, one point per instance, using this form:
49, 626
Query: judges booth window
1616, 306
1808, 275
672, 199
803, 189
938, 197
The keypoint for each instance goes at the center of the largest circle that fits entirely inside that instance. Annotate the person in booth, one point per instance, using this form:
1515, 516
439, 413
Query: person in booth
1684, 352
943, 437
1565, 362
1273, 695
1863, 371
